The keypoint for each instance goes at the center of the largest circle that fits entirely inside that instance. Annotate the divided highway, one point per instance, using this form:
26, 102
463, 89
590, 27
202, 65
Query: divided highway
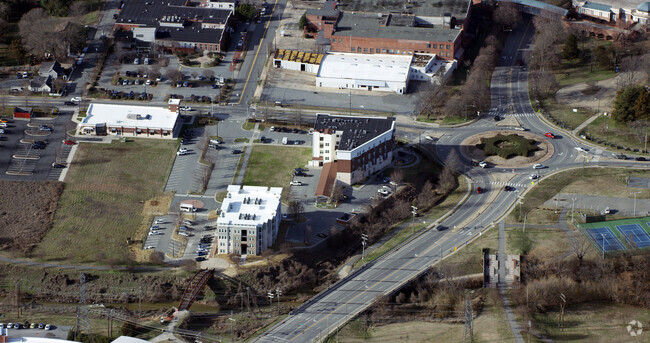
332, 308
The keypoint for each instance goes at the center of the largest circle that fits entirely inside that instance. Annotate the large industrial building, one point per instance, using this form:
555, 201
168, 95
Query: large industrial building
131, 121
351, 148
249, 220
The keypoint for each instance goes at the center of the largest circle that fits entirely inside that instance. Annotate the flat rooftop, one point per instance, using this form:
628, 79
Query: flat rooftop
150, 12
127, 116
373, 25
421, 8
190, 33
356, 130
627, 4
249, 205
365, 67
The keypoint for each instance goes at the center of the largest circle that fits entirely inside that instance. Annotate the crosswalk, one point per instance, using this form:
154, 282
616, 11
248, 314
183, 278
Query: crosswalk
495, 113
498, 183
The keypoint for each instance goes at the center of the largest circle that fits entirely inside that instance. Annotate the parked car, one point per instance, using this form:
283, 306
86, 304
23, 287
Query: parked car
236, 151
482, 164
621, 156
48, 327
45, 128
69, 142
38, 146
155, 233
321, 235
200, 259
640, 158
538, 166
159, 221
77, 99
295, 183
41, 326
136, 61
549, 135
58, 165
182, 151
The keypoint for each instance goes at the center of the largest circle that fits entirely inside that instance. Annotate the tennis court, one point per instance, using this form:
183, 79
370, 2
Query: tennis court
635, 234
605, 239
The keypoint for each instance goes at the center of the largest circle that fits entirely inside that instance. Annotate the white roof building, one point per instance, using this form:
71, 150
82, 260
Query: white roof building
384, 73
139, 121
249, 219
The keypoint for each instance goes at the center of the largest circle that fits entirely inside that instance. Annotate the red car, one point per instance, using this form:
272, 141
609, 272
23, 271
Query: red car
549, 135
479, 190
69, 142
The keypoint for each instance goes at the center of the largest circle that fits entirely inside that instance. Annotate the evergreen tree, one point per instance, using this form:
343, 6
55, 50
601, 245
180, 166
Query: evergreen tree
570, 49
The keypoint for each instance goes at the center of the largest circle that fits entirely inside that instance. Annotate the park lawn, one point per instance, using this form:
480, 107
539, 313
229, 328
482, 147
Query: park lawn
564, 114
608, 130
579, 72
103, 200
272, 166
550, 241
595, 322
469, 259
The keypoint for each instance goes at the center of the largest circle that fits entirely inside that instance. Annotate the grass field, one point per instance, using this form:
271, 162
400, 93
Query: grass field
469, 260
489, 326
565, 114
593, 322
273, 166
554, 242
102, 203
608, 130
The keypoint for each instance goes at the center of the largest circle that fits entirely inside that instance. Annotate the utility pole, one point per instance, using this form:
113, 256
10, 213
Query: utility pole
232, 321
270, 295
603, 235
364, 238
634, 213
82, 309
278, 292
19, 299
140, 300
248, 299
560, 323
468, 335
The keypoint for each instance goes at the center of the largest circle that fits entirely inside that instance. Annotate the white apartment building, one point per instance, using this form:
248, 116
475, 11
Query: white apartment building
249, 220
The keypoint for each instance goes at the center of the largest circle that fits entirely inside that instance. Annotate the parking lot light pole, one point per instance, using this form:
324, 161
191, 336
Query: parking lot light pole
413, 212
278, 291
603, 235
270, 295
634, 213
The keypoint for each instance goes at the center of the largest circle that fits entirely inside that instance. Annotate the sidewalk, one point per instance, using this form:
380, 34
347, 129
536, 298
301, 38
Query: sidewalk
584, 124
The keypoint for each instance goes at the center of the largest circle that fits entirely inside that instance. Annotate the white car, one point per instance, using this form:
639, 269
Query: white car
296, 183
76, 99
155, 233
182, 151
538, 166
149, 247
148, 82
188, 222
482, 164
48, 327
159, 221
383, 191
532, 176
183, 233
428, 137
581, 149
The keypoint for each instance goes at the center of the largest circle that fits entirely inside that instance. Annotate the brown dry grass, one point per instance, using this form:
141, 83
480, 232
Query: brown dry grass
104, 200
26, 212
607, 185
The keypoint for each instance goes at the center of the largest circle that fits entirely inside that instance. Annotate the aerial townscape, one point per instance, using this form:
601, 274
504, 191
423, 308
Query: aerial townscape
278, 171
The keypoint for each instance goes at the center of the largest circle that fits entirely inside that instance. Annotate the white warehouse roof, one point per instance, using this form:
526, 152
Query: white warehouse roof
249, 205
130, 116
387, 68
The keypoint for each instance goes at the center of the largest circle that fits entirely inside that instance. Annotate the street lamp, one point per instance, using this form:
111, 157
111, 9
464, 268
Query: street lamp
413, 212
364, 238
270, 295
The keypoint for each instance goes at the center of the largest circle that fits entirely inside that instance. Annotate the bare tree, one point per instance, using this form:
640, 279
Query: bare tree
296, 209
157, 257
154, 71
632, 68
507, 15
268, 256
397, 176
208, 74
78, 9
580, 245
173, 74
337, 193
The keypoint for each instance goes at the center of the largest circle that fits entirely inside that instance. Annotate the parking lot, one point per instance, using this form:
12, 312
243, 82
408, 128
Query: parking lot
57, 332
21, 155
163, 227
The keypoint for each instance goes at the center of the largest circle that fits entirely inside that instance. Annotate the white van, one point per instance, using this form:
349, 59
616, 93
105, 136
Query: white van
285, 140
187, 208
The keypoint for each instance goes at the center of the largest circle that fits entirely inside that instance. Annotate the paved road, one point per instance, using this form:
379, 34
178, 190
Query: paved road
335, 306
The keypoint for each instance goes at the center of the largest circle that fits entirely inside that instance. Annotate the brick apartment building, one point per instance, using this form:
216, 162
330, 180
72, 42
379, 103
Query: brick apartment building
356, 147
249, 220
176, 25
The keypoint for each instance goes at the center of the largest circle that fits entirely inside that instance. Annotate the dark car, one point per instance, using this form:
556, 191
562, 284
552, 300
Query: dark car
200, 258
263, 139
70, 103
299, 173
441, 228
497, 118
58, 165
621, 157
235, 152
508, 188
640, 158
38, 146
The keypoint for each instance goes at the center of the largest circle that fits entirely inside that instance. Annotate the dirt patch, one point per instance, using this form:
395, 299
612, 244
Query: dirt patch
469, 150
26, 212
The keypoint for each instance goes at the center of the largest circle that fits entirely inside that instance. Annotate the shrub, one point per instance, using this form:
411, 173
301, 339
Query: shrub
507, 146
